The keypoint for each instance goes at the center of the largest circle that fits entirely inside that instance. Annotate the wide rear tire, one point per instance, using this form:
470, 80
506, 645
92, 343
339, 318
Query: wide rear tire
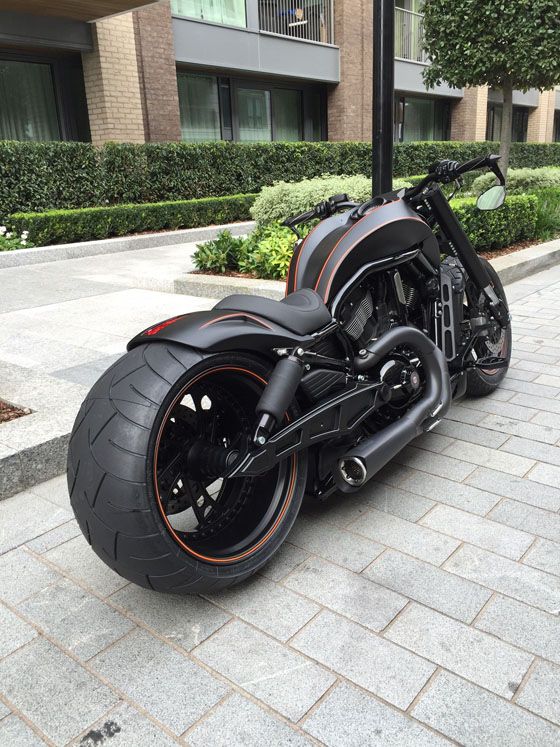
131, 506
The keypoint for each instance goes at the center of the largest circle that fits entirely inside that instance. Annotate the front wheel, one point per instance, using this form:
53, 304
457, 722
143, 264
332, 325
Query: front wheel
481, 383
145, 459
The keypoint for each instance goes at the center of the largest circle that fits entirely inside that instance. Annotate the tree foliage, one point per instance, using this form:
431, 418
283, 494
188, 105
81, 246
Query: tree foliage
493, 42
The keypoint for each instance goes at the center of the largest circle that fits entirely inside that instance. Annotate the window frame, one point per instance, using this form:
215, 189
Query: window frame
65, 101
399, 123
234, 83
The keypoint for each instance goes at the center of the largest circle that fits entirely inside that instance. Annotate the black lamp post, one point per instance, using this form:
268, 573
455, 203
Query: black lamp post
383, 94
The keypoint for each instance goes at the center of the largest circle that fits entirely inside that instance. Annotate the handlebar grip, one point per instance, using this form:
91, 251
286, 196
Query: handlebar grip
472, 165
301, 218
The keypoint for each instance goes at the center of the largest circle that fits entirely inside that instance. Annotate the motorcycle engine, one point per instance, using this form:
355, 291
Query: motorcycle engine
368, 312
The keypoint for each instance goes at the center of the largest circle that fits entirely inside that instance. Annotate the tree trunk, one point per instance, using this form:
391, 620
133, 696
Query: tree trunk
507, 117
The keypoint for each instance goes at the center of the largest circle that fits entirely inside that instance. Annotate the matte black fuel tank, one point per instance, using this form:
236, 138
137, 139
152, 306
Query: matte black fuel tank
339, 246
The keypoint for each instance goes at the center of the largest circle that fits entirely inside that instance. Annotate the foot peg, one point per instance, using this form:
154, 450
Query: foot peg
491, 363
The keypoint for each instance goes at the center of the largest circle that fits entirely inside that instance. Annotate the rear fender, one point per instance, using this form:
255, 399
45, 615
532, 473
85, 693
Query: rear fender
219, 330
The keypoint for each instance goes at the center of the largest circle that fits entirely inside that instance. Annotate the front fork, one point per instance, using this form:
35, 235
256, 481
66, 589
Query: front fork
447, 221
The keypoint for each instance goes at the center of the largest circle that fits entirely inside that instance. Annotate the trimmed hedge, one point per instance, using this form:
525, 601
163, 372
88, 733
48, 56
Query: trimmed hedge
46, 176
515, 221
285, 199
520, 181
88, 224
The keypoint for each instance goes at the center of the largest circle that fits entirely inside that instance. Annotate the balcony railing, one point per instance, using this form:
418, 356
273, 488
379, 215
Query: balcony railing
301, 19
409, 35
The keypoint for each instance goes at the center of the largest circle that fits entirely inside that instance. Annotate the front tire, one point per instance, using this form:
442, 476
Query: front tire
149, 509
482, 383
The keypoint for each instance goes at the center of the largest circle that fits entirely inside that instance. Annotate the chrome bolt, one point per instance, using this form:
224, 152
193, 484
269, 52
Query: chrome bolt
363, 352
261, 440
300, 352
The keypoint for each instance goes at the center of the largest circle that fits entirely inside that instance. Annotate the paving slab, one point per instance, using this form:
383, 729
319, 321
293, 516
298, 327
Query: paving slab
79, 621
161, 680
14, 633
62, 705
434, 587
473, 716
280, 677
185, 621
16, 733
524, 626
348, 717
541, 693
374, 663
347, 593
495, 665
123, 727
521, 582
238, 721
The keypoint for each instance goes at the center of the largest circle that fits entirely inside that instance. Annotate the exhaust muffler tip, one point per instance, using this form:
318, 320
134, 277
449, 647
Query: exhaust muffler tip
353, 471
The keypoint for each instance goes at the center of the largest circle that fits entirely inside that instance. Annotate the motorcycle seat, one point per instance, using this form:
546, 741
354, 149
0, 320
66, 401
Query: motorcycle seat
301, 312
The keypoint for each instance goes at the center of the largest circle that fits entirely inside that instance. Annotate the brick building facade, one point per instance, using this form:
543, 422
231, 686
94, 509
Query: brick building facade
245, 70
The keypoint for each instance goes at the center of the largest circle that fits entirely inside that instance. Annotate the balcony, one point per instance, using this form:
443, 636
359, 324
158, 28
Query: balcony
78, 10
307, 20
409, 36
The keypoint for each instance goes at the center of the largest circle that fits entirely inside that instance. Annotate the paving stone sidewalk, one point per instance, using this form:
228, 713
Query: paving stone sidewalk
424, 610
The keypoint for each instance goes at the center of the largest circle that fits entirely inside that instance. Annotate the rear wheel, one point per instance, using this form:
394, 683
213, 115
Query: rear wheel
499, 343
145, 459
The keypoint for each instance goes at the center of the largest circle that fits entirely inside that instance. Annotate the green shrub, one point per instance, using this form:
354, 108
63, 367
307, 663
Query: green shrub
284, 199
548, 213
219, 255
47, 176
493, 229
520, 181
43, 176
67, 226
267, 252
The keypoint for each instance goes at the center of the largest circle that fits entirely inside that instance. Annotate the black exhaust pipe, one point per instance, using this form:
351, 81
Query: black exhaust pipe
362, 462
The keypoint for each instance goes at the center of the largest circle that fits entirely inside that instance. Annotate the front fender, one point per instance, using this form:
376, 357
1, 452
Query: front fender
219, 330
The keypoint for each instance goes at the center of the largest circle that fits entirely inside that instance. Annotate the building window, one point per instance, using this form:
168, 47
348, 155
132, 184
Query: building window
226, 12
287, 115
519, 123
556, 133
199, 104
419, 119
29, 108
214, 108
253, 111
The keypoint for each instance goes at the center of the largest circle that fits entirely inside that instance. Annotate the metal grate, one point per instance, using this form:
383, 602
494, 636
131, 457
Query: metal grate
409, 35
301, 19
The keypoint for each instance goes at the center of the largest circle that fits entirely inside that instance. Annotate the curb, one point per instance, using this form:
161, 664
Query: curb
522, 264
220, 286
41, 255
20, 470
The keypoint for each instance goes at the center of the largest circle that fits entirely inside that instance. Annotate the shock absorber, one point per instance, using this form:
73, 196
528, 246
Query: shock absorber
279, 394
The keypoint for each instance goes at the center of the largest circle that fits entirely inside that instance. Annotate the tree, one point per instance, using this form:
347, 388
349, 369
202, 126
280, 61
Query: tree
506, 44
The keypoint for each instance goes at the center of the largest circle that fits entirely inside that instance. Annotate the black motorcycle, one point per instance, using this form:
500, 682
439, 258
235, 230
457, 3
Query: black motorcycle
190, 457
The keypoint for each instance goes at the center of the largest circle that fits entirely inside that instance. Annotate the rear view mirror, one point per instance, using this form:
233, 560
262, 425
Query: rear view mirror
493, 198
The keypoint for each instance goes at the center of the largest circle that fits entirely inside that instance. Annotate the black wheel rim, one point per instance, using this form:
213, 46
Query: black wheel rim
217, 520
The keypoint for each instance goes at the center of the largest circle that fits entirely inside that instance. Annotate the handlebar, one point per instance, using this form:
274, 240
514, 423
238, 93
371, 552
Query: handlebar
323, 210
442, 172
445, 172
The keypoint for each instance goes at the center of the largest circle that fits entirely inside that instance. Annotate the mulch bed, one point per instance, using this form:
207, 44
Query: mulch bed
9, 412
509, 249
